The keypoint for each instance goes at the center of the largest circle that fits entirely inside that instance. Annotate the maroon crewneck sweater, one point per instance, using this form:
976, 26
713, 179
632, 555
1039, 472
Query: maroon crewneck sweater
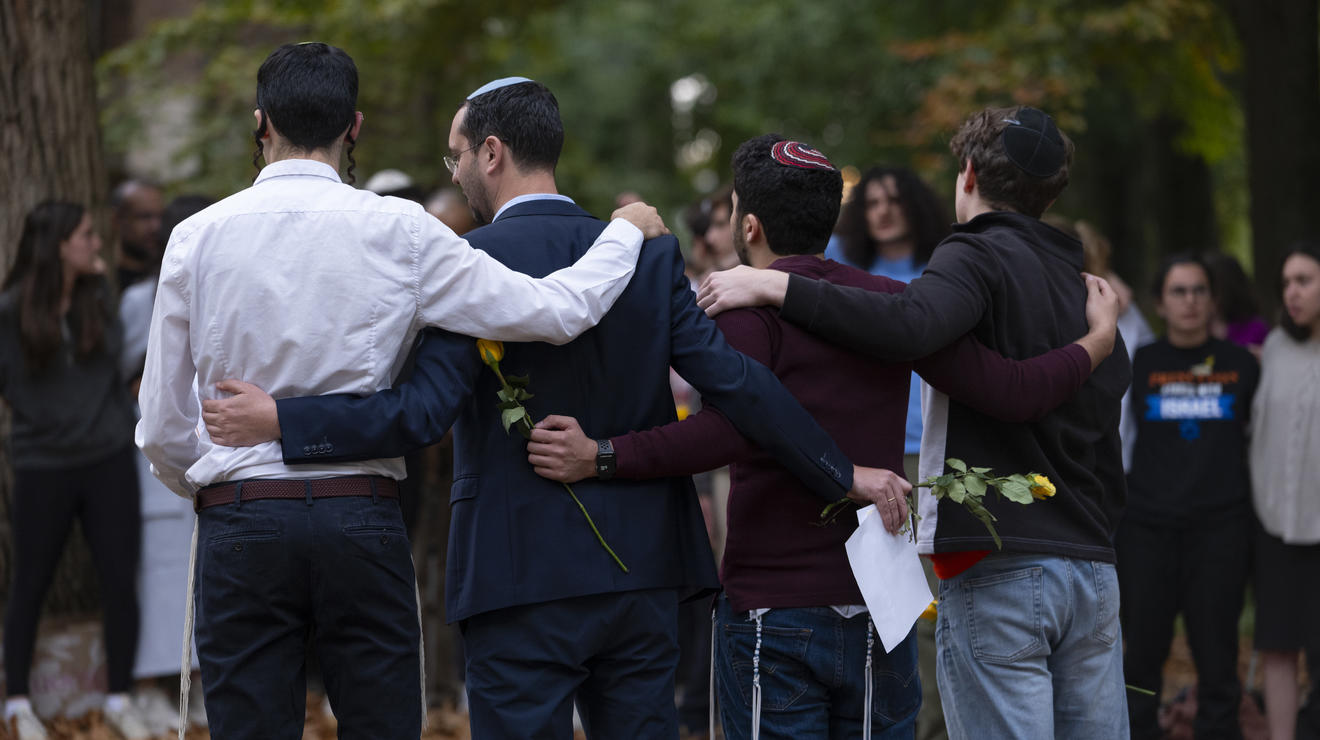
777, 554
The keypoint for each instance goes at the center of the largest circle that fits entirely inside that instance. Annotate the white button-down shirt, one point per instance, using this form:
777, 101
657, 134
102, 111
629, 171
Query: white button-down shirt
303, 285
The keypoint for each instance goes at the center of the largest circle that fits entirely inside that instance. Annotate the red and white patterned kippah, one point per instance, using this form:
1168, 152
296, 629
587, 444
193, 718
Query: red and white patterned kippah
797, 154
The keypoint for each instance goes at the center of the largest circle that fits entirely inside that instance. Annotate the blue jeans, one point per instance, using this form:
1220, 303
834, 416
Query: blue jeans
1030, 647
274, 574
813, 676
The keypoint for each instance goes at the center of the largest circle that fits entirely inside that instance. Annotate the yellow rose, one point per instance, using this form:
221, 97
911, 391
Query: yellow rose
1041, 488
490, 350
930, 613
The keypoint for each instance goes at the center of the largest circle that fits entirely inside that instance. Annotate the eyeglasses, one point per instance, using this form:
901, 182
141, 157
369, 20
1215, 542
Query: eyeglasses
451, 160
1183, 292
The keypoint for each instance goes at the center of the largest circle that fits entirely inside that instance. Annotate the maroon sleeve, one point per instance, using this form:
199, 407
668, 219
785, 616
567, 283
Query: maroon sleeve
1009, 390
706, 440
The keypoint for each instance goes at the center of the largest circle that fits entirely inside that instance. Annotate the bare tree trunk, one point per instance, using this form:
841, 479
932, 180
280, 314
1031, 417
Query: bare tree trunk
49, 137
49, 148
1279, 41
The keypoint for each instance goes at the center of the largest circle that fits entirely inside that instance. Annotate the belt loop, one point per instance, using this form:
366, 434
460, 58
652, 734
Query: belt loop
371, 479
307, 488
238, 494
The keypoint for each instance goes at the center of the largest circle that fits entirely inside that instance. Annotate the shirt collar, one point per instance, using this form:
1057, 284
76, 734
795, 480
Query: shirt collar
297, 168
527, 197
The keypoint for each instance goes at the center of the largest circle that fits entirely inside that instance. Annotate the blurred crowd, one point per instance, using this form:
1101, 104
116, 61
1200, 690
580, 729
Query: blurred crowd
1220, 435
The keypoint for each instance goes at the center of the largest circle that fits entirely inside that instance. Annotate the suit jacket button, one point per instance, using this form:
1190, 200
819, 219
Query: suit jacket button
307, 449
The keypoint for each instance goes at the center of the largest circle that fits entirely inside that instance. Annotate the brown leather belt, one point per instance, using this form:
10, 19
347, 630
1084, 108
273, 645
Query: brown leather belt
251, 490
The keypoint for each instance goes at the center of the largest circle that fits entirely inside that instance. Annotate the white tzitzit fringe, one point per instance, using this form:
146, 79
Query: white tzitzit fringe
866, 712
756, 683
185, 671
711, 697
421, 646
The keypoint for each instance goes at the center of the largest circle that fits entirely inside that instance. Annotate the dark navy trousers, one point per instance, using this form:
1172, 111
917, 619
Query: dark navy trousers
275, 576
614, 655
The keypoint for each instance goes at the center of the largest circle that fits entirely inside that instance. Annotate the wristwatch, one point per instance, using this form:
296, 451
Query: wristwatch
604, 459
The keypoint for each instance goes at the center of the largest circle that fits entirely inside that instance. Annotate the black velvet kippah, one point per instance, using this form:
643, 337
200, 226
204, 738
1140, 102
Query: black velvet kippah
1033, 143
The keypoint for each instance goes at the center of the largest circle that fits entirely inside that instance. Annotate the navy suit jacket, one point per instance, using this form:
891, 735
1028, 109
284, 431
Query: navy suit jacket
516, 538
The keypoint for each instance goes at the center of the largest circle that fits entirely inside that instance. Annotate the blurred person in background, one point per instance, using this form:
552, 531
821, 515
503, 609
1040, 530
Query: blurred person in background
449, 205
719, 234
1237, 311
136, 206
1132, 326
889, 227
1285, 470
166, 520
1184, 541
72, 441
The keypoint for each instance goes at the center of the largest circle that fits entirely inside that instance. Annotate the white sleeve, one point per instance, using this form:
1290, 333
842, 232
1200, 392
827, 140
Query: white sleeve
167, 432
469, 292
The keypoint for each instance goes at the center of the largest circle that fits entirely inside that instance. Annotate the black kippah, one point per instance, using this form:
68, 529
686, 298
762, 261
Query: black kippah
1033, 143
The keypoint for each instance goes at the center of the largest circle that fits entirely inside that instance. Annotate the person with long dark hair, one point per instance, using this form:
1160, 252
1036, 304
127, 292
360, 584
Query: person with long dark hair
72, 442
1284, 471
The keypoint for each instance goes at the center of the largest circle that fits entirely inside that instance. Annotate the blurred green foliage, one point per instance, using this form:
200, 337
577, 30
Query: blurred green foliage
656, 94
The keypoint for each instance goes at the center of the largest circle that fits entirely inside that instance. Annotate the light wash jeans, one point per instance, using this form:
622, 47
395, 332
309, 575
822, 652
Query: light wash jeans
1030, 647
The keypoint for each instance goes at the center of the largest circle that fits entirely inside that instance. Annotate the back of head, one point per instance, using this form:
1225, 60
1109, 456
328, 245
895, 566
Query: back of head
1020, 157
179, 210
309, 92
792, 189
523, 115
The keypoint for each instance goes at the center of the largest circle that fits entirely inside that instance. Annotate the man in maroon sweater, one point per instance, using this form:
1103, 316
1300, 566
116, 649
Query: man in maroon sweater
792, 639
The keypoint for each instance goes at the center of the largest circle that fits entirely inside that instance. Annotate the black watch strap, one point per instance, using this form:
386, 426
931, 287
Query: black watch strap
605, 461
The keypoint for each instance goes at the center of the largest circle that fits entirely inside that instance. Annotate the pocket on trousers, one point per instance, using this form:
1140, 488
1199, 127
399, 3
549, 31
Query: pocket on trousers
1106, 603
783, 660
1004, 615
897, 686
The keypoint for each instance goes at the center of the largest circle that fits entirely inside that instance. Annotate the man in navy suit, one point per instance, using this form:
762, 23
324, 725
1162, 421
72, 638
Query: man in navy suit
547, 617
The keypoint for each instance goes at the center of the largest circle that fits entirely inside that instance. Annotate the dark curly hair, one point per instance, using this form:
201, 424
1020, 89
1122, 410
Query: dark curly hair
796, 206
927, 220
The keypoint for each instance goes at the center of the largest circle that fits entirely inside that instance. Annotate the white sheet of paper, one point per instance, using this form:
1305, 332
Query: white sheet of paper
888, 570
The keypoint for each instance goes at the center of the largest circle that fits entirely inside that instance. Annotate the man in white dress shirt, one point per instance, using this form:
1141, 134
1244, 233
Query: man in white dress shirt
304, 285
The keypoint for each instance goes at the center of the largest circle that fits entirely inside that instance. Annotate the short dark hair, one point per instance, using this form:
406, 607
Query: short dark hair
1172, 261
1306, 249
797, 206
525, 116
1002, 183
925, 214
309, 91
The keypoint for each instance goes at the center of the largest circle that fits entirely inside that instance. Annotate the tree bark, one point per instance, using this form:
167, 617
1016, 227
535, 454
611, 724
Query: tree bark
49, 135
1282, 106
50, 147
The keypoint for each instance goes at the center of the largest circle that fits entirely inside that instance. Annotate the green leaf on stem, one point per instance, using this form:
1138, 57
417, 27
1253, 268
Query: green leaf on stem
975, 485
957, 464
514, 415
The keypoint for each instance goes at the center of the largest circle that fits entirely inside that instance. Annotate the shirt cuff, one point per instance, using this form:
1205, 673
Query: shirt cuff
625, 453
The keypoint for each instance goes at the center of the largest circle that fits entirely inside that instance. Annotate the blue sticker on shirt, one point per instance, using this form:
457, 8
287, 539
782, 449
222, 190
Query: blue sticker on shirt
1198, 408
